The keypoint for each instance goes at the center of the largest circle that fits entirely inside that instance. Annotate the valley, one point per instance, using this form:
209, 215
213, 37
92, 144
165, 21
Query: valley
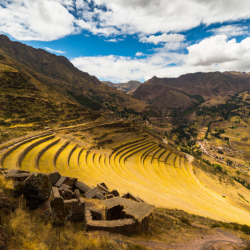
173, 143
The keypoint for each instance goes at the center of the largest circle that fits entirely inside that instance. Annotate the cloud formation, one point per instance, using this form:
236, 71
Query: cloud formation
163, 38
42, 20
231, 30
56, 51
216, 53
48, 20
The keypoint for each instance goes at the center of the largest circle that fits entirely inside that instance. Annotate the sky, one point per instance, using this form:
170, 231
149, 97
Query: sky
122, 40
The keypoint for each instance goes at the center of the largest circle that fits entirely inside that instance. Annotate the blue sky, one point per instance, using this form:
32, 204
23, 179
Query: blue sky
121, 40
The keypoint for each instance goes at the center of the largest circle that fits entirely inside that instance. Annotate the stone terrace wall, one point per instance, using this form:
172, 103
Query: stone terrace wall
114, 226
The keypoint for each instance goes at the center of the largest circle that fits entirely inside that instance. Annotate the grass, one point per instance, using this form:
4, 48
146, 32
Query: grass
161, 176
34, 232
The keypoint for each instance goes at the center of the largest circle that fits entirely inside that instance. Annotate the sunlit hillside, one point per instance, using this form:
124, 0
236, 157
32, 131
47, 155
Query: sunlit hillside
127, 159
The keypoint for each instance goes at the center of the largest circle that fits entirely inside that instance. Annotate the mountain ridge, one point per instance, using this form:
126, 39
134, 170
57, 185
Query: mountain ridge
175, 95
59, 73
126, 87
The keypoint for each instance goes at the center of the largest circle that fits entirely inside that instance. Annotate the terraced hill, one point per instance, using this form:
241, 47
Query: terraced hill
160, 175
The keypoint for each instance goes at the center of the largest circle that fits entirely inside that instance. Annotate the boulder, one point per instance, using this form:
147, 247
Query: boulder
58, 212
37, 190
54, 178
18, 188
115, 193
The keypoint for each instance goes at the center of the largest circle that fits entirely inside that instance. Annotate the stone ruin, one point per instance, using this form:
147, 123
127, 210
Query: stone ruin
66, 197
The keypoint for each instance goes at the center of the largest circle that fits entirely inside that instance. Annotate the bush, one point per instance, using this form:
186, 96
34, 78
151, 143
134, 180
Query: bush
215, 225
218, 167
245, 229
185, 220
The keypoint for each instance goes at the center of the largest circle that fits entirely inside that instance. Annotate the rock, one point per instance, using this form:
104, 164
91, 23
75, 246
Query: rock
115, 193
65, 187
76, 209
82, 187
18, 176
54, 178
37, 190
58, 212
77, 194
55, 192
18, 188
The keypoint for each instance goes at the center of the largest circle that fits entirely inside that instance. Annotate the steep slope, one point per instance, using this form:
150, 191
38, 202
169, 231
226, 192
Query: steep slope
125, 87
174, 95
25, 101
59, 73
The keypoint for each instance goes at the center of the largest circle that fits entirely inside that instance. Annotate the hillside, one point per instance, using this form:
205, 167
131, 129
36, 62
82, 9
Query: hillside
58, 73
126, 158
125, 87
174, 95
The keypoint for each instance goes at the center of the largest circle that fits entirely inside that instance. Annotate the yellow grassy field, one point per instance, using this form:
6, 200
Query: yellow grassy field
158, 175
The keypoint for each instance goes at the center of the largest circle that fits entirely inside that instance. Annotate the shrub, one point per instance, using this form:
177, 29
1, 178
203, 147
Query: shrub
245, 229
218, 167
185, 220
215, 225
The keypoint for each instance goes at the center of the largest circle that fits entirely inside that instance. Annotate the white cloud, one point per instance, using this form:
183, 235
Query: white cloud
153, 16
56, 51
212, 54
220, 52
139, 54
163, 38
231, 30
51, 19
114, 40
43, 20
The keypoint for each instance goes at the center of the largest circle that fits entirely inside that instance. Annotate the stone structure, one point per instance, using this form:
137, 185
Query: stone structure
122, 214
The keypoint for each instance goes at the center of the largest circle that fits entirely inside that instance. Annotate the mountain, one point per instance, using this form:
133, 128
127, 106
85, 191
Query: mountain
125, 87
59, 74
175, 95
28, 104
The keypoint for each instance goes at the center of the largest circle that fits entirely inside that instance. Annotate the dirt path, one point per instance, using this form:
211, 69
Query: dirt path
207, 242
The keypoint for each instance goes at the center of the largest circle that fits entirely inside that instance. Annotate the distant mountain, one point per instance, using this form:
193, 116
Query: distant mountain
174, 95
59, 74
125, 87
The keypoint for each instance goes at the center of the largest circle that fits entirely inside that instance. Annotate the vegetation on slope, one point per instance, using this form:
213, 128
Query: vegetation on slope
59, 74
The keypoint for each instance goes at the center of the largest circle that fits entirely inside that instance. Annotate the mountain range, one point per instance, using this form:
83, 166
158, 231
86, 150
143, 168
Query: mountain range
57, 73
175, 95
58, 81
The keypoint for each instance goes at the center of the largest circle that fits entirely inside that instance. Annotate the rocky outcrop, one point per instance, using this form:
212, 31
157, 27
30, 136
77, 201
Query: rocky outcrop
37, 190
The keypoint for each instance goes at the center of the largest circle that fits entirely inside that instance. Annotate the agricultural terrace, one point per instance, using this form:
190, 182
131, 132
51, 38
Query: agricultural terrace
127, 159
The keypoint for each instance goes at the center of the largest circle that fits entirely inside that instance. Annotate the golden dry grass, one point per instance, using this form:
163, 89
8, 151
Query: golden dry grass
159, 176
30, 231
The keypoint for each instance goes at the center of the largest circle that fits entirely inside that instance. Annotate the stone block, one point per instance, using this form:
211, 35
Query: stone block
54, 178
77, 194
58, 212
55, 192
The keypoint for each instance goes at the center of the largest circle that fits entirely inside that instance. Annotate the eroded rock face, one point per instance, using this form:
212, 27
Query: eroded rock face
37, 190
58, 212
